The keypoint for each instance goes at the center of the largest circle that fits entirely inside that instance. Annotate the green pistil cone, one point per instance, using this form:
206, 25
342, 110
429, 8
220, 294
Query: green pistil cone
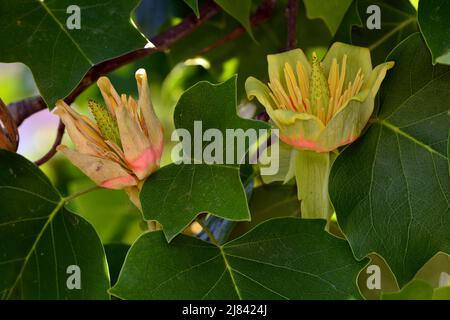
105, 122
320, 93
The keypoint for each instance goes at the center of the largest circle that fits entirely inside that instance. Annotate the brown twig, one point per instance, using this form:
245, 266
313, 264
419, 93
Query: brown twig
263, 13
23, 109
291, 15
9, 137
162, 42
56, 143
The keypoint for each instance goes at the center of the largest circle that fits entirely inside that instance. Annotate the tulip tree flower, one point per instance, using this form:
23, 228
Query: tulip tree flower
123, 146
318, 107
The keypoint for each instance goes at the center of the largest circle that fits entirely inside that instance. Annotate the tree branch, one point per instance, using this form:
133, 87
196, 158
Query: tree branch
56, 143
25, 108
292, 14
162, 42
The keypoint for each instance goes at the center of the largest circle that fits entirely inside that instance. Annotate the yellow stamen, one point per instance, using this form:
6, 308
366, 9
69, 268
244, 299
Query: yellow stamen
293, 88
333, 77
341, 78
330, 110
282, 95
279, 97
303, 81
295, 95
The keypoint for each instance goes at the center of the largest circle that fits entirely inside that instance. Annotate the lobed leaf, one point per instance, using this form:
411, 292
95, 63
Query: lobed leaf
40, 239
391, 189
284, 258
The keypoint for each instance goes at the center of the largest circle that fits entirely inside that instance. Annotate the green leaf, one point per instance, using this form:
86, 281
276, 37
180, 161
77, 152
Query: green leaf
435, 25
331, 11
40, 239
266, 202
240, 10
285, 258
448, 151
110, 212
35, 33
245, 57
418, 290
391, 188
398, 21
436, 271
415, 290
441, 293
116, 253
193, 4
177, 193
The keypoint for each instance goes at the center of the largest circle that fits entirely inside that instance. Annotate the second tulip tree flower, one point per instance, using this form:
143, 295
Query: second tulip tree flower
123, 146
318, 107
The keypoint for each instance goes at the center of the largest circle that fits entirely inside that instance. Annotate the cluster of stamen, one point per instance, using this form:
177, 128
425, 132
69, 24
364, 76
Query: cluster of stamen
105, 132
298, 96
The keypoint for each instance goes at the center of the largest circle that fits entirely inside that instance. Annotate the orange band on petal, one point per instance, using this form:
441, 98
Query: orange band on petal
119, 182
300, 143
147, 161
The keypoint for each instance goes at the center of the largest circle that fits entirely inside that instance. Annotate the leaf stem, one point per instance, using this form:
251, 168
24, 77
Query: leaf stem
208, 231
80, 193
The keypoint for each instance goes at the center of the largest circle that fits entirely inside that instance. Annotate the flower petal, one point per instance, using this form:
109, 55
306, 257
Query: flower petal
286, 168
110, 95
299, 130
88, 140
277, 62
376, 77
155, 131
346, 126
140, 154
103, 172
256, 88
357, 58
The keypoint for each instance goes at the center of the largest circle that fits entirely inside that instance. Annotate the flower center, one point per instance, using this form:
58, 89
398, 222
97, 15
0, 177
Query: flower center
316, 95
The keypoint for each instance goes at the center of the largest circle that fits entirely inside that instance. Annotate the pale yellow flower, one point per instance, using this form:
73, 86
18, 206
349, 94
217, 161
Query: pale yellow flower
125, 144
320, 106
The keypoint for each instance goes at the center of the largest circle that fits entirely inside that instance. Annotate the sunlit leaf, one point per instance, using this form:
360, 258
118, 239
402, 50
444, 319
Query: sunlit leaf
37, 33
